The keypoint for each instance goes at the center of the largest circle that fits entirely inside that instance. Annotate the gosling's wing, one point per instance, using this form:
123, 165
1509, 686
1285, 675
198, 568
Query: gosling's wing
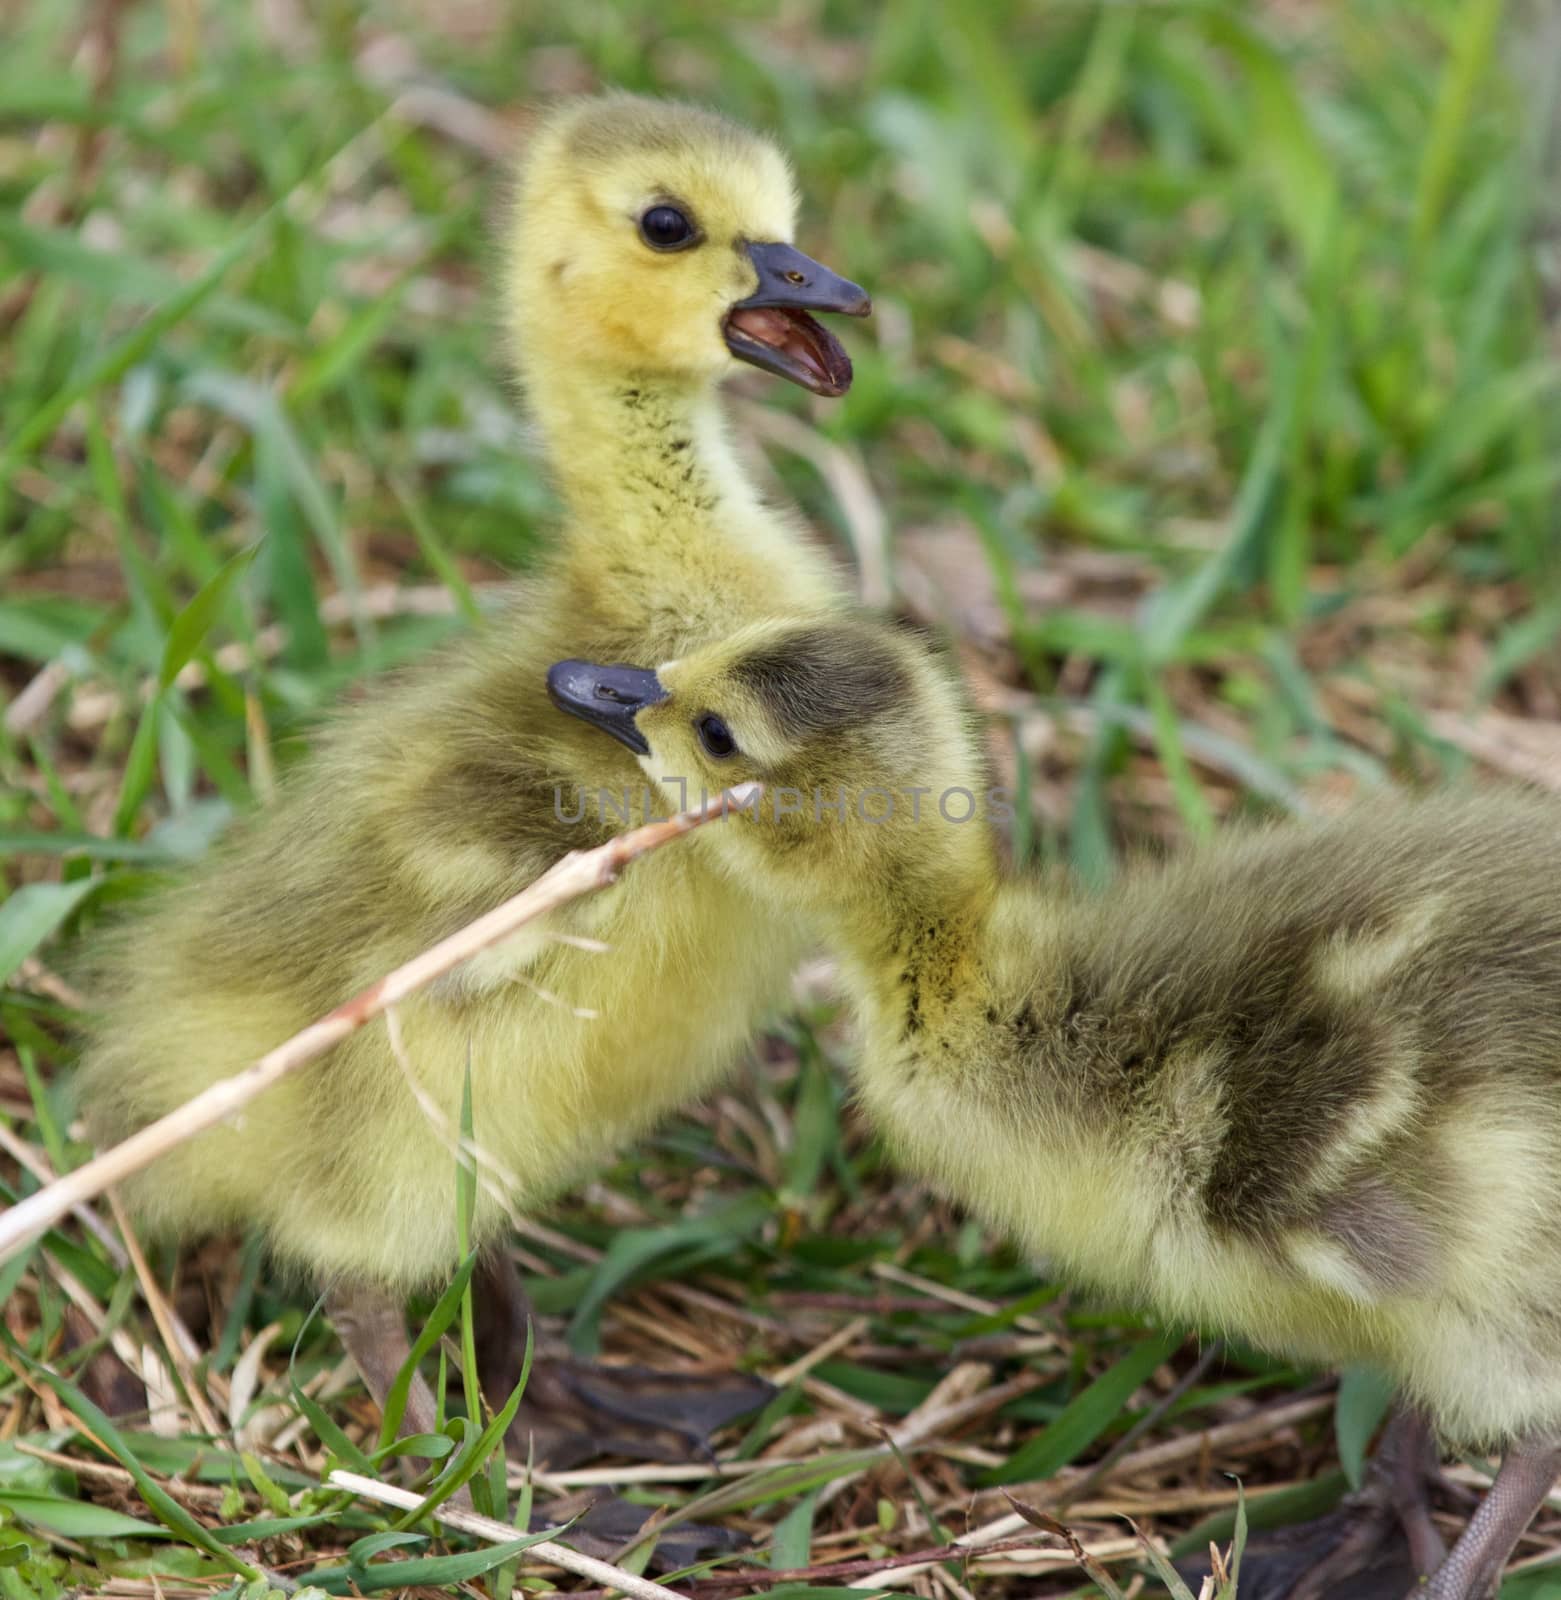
1319, 991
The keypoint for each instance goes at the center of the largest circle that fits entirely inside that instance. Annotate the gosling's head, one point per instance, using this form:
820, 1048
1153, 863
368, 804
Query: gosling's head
654, 239
873, 788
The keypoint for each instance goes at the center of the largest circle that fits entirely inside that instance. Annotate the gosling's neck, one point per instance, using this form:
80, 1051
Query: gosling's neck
917, 954
668, 543
626, 449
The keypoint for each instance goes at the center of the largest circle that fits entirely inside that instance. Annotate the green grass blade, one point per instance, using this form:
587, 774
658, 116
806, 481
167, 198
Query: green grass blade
76, 1519
129, 350
1474, 25
1086, 1416
1364, 1398
636, 1249
434, 552
791, 1545
324, 1425
140, 766
430, 1571
30, 914
194, 622
1166, 1573
474, 1454
168, 1510
1190, 801
465, 1218
445, 1311
1238, 1544
1177, 609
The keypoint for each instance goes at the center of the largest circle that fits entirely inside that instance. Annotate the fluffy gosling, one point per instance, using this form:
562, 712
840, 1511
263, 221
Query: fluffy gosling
1302, 1084
650, 251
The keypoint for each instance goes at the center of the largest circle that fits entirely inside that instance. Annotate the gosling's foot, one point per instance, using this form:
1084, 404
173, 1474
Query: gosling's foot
1378, 1545
574, 1411
610, 1523
1340, 1555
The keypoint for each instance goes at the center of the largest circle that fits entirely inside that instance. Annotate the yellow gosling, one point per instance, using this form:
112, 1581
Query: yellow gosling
1301, 1084
649, 252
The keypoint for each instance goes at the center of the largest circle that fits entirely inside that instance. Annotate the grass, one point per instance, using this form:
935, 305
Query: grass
1211, 400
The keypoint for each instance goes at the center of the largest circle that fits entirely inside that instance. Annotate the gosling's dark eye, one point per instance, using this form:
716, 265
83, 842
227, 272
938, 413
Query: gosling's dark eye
716, 737
667, 228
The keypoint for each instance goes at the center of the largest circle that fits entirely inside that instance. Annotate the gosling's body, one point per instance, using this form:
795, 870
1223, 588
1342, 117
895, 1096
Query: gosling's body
572, 1051
443, 793
1301, 1085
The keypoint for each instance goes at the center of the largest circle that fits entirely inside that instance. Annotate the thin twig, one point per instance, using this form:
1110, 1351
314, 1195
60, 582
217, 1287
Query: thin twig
579, 873
207, 1497
842, 469
862, 1567
936, 1414
832, 1346
496, 1532
24, 1155
956, 1297
1259, 1425
176, 1337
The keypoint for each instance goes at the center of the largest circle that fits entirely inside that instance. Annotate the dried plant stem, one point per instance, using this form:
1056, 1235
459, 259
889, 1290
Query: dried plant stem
25, 1156
496, 1532
182, 1349
579, 873
842, 469
880, 1567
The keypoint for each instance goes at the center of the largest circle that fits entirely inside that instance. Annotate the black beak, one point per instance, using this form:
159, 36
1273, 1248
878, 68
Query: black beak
772, 329
792, 281
606, 697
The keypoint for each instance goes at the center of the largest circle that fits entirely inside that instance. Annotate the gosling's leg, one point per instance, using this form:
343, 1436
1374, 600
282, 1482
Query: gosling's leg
570, 1412
501, 1309
1378, 1539
1528, 1471
372, 1327
1393, 1503
1407, 1463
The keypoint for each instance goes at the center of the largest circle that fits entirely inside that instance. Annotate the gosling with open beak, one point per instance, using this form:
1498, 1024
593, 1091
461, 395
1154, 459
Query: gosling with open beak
772, 329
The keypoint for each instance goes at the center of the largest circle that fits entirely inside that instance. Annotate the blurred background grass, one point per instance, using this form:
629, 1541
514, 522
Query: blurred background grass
1210, 403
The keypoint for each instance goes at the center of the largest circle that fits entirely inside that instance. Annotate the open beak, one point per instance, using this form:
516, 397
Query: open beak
606, 697
772, 329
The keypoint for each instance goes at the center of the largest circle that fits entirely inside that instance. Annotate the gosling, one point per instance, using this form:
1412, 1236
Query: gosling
1302, 1084
650, 252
